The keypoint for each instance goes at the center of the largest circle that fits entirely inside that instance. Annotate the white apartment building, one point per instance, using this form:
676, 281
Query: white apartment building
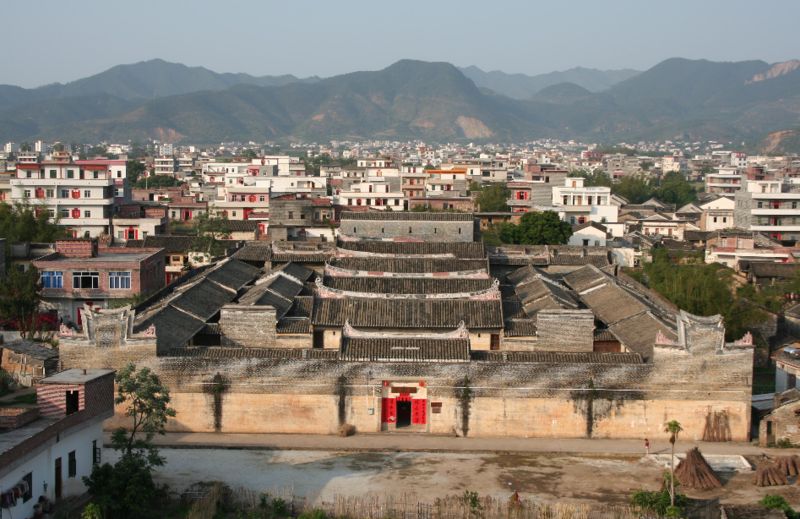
726, 180
769, 206
49, 449
717, 214
377, 195
165, 166
80, 194
578, 204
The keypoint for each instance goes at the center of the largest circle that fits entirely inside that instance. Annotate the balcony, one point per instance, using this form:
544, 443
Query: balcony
770, 211
66, 183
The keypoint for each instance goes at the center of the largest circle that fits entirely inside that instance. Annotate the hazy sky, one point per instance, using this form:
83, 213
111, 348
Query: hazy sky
48, 41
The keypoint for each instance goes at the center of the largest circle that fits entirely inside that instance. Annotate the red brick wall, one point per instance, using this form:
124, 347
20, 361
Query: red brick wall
77, 248
52, 398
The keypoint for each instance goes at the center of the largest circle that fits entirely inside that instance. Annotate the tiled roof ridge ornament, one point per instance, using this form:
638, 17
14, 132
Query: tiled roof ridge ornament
460, 332
746, 340
65, 331
150, 331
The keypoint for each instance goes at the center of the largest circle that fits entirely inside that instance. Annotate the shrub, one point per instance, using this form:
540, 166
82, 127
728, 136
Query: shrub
774, 502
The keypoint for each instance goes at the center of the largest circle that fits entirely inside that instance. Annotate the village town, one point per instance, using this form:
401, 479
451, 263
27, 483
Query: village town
391, 294
399, 260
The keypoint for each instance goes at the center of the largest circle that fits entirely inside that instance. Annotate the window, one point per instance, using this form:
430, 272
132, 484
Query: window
72, 400
96, 174
84, 279
52, 173
70, 173
65, 193
119, 280
52, 279
96, 453
87, 193
26, 193
50, 193
87, 214
63, 213
72, 465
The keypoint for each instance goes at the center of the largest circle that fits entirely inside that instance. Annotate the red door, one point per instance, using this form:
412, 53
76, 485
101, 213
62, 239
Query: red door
388, 410
419, 410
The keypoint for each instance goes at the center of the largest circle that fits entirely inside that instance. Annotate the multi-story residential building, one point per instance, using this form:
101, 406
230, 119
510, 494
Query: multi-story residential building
186, 164
48, 449
769, 206
5, 187
80, 274
80, 194
165, 166
135, 221
732, 246
413, 182
717, 214
578, 204
377, 195
726, 180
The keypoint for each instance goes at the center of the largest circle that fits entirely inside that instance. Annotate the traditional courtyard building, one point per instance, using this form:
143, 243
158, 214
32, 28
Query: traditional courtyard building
428, 337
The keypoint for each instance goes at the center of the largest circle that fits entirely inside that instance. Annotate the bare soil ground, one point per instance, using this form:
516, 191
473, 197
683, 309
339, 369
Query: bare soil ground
322, 475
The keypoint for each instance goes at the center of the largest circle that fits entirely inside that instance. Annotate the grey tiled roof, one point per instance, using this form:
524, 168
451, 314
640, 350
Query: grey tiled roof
458, 249
403, 216
409, 265
404, 313
391, 285
558, 357
405, 349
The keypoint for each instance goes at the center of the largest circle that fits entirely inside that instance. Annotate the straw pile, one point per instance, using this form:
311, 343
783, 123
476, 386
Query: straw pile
695, 472
789, 465
768, 474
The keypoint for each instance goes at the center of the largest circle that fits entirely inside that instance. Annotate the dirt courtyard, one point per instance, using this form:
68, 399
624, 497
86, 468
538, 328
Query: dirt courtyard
322, 475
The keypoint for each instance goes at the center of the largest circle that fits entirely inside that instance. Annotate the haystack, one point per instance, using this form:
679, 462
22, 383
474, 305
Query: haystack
769, 475
695, 472
789, 465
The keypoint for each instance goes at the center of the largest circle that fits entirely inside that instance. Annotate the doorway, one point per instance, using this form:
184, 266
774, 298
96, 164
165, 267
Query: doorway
403, 413
58, 479
72, 402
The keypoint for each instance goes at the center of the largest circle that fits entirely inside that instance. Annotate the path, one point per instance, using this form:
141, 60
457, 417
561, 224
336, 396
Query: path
430, 443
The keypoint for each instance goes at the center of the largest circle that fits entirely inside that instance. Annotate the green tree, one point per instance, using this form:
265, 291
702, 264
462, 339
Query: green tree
494, 198
541, 228
673, 427
126, 489
674, 189
633, 188
135, 169
155, 181
249, 154
210, 230
148, 408
19, 299
594, 178
23, 223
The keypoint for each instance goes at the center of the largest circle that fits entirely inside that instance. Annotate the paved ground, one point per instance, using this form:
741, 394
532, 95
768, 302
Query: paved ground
428, 443
320, 475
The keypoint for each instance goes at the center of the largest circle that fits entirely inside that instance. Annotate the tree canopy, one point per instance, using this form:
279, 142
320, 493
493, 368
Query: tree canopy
703, 289
597, 177
19, 299
157, 181
493, 198
544, 228
126, 489
22, 223
134, 170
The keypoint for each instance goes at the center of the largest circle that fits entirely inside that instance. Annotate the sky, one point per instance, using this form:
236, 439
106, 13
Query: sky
49, 41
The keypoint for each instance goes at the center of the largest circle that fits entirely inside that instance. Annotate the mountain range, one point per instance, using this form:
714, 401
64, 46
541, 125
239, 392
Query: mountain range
522, 86
695, 99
